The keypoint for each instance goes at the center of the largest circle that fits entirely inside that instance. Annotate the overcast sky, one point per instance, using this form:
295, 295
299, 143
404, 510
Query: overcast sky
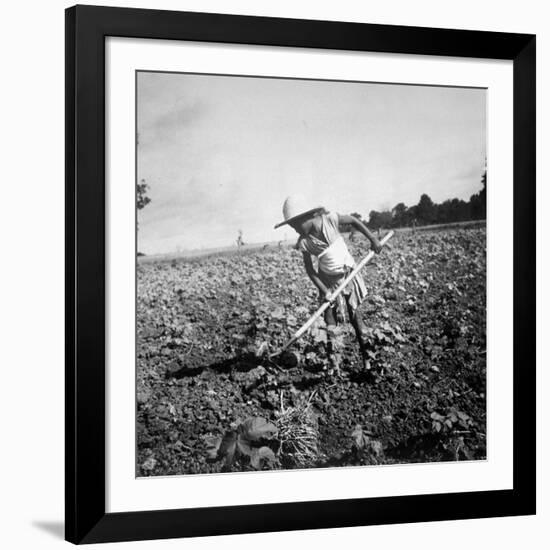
221, 153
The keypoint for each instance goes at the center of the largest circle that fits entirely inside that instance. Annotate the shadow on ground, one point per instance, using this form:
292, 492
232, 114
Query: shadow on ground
239, 363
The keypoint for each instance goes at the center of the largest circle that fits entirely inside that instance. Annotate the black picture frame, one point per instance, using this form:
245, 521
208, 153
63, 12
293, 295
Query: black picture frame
85, 517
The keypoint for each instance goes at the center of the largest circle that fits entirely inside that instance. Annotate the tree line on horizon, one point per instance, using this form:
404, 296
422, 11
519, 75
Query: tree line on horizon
426, 212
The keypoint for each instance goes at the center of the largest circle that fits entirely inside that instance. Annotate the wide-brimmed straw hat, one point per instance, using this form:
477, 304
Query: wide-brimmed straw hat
295, 207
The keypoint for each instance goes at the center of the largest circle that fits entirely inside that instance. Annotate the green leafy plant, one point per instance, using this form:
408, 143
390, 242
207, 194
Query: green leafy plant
366, 446
244, 443
453, 419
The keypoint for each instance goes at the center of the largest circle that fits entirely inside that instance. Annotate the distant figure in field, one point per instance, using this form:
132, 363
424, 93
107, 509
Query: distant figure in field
240, 242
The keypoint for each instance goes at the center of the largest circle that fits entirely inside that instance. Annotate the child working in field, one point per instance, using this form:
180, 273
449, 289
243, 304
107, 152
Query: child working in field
320, 237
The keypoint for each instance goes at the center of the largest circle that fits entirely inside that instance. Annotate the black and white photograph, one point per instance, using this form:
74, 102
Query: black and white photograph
257, 293
310, 274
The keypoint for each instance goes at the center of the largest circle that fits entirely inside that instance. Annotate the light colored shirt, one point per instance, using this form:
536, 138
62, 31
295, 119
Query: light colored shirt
331, 250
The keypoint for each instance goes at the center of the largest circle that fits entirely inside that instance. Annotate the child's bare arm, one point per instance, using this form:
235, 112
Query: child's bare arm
360, 226
312, 274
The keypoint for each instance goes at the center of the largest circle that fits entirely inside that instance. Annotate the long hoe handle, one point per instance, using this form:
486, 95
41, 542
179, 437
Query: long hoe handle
340, 288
